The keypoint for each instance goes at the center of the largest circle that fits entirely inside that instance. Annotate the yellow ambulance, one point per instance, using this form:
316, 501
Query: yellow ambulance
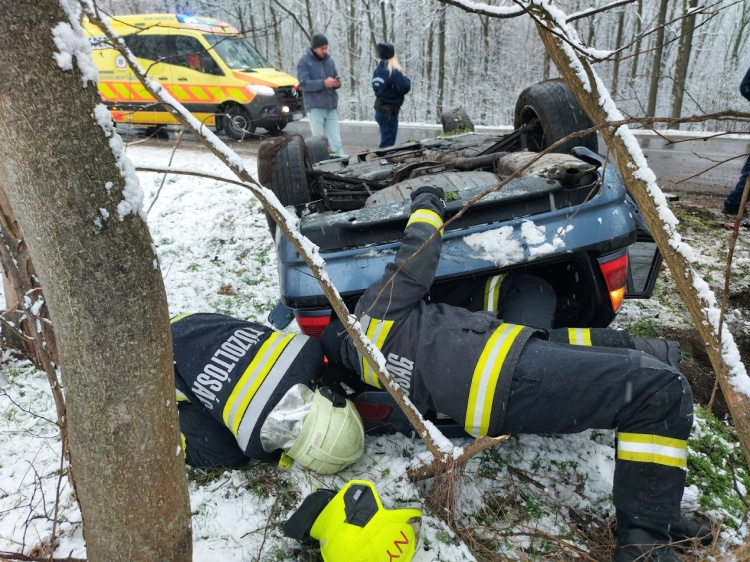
204, 63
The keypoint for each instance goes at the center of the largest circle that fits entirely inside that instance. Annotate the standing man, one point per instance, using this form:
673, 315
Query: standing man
319, 81
733, 200
497, 378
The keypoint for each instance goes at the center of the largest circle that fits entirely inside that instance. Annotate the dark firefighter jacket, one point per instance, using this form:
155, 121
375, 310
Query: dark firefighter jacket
237, 371
419, 340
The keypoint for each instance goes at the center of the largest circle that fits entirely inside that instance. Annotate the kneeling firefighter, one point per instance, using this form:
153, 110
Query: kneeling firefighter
498, 378
244, 392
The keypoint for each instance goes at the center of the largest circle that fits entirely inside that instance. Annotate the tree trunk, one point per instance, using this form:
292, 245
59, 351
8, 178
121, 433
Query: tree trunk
653, 91
105, 295
441, 63
618, 44
383, 21
683, 61
28, 282
351, 31
638, 40
427, 79
685, 277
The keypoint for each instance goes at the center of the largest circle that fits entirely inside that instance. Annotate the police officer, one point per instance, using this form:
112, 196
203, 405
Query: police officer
498, 378
244, 392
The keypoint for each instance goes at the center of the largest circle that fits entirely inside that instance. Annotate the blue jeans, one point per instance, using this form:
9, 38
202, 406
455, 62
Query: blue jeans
734, 198
388, 123
325, 122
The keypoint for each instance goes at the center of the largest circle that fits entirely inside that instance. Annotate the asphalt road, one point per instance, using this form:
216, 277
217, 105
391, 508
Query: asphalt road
682, 162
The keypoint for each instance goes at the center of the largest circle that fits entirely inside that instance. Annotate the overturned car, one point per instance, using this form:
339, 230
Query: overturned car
564, 216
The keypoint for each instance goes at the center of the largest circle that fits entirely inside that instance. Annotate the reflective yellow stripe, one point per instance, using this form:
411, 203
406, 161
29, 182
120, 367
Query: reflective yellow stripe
251, 379
655, 449
484, 380
426, 216
180, 317
492, 292
183, 443
377, 331
121, 90
579, 336
199, 93
179, 93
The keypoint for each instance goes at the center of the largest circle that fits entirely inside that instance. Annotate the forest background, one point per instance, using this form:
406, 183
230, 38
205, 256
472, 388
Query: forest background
666, 52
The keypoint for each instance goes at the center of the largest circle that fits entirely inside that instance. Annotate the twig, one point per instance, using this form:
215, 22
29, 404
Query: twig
164, 177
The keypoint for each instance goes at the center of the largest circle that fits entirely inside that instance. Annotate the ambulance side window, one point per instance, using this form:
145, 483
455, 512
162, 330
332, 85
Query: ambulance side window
191, 54
151, 47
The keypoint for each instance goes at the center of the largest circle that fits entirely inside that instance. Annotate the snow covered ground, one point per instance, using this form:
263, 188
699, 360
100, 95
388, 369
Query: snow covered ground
522, 497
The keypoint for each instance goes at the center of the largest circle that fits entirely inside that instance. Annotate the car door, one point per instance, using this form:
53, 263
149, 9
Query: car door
152, 51
196, 78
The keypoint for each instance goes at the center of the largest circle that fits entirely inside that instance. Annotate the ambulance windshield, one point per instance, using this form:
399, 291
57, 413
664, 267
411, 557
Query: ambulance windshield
236, 52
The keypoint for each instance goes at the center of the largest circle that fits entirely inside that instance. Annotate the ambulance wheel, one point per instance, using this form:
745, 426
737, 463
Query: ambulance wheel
550, 112
237, 123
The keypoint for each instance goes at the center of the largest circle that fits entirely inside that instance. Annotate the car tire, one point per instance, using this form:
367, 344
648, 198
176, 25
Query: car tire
237, 123
456, 120
282, 167
552, 113
317, 149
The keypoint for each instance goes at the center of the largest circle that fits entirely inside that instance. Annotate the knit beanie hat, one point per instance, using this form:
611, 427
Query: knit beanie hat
318, 40
386, 51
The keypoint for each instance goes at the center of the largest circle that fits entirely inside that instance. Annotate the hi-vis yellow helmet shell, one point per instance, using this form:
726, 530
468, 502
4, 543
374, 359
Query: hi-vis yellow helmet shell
353, 525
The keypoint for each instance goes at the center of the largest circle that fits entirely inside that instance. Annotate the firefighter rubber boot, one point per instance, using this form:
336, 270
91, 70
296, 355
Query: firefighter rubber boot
666, 351
689, 529
642, 540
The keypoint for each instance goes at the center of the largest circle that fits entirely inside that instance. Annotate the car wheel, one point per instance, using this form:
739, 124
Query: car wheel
551, 112
282, 167
456, 120
237, 123
317, 149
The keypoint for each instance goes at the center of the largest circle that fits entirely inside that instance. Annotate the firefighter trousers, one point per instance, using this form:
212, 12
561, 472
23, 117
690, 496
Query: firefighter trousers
560, 388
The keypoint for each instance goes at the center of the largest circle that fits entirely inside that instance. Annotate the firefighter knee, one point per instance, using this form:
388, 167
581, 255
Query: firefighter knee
674, 393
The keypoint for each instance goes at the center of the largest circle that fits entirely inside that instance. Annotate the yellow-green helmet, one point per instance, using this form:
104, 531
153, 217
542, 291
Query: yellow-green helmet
353, 525
332, 436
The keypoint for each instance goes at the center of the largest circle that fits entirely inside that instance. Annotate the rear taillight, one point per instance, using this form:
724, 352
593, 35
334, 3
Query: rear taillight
373, 413
616, 277
313, 326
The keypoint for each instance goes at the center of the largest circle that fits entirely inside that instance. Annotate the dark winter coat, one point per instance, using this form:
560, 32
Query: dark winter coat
311, 73
389, 87
235, 372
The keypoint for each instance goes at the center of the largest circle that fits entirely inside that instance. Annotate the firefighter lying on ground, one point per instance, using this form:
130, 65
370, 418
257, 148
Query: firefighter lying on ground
499, 378
244, 392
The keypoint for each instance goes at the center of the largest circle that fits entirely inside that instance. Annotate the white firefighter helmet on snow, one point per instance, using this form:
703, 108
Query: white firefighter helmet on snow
332, 436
